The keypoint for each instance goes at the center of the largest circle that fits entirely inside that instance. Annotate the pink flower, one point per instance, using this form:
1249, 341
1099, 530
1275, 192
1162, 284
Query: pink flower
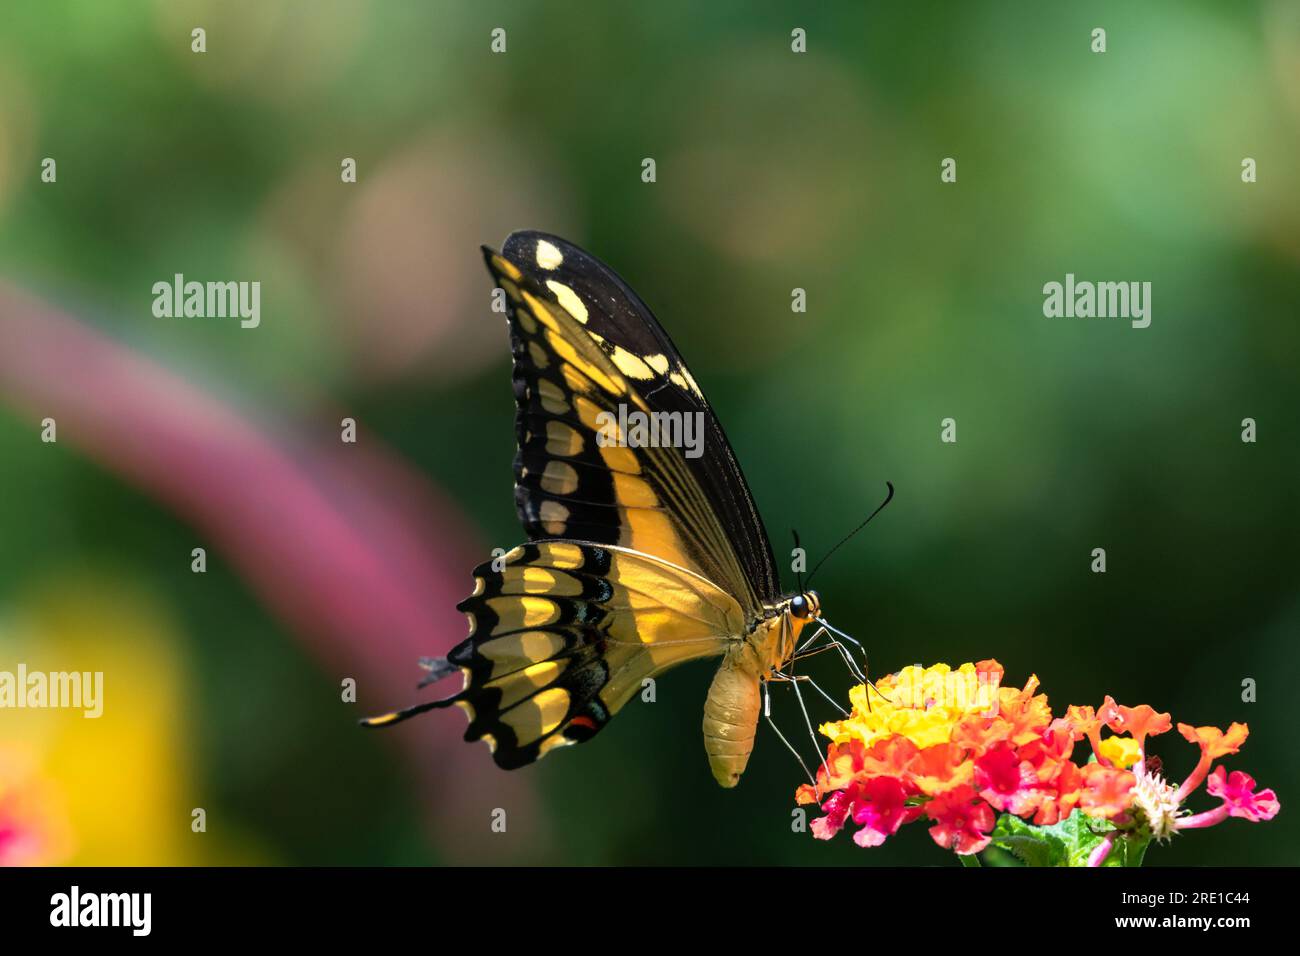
1237, 790
882, 811
837, 811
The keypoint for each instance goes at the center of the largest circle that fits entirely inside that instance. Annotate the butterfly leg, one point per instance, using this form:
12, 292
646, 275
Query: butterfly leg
862, 673
838, 633
806, 650
795, 680
767, 715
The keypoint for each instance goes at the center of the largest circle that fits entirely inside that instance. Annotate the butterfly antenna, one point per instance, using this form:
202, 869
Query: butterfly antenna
888, 498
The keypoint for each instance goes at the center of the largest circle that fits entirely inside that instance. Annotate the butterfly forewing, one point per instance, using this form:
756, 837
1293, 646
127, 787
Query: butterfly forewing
616, 339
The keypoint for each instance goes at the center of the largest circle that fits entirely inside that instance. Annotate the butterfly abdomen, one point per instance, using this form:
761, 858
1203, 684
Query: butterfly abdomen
731, 719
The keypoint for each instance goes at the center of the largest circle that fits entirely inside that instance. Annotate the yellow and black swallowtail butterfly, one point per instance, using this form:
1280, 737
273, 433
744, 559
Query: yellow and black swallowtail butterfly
640, 556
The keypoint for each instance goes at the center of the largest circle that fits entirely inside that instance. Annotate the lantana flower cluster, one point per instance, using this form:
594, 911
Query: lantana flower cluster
955, 748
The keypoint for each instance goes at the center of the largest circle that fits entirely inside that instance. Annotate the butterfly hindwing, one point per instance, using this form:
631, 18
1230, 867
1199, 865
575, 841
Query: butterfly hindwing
563, 635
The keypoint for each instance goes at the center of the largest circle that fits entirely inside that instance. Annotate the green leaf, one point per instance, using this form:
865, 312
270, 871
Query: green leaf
1067, 843
1031, 845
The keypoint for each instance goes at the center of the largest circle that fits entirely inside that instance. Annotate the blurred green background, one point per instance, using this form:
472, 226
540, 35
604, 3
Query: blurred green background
775, 171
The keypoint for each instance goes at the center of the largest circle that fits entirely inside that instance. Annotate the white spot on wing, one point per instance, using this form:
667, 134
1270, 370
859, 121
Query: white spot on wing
548, 257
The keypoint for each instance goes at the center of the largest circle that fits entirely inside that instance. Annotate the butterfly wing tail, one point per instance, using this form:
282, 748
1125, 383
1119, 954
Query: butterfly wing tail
397, 716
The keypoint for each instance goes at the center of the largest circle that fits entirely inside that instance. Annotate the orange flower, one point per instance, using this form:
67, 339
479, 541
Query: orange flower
1138, 722
1214, 744
1106, 792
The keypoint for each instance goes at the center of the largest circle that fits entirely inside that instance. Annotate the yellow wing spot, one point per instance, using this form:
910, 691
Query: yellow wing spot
554, 517
576, 381
523, 648
514, 554
517, 612
479, 584
548, 257
537, 580
517, 685
587, 412
569, 299
473, 624
633, 492
559, 478
566, 557
652, 532
539, 715
506, 267
468, 708
540, 311
562, 440
620, 459
630, 365
658, 362
550, 743
538, 355
566, 350
552, 396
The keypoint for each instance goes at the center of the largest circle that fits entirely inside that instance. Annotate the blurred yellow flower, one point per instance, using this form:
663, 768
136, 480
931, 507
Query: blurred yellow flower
112, 790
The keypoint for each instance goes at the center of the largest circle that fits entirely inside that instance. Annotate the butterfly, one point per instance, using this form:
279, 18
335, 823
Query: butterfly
642, 554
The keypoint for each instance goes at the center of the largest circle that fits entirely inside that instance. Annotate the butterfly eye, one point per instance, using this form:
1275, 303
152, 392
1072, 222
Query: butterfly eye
799, 606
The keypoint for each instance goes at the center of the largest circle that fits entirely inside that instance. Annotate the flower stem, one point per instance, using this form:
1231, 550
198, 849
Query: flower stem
1098, 856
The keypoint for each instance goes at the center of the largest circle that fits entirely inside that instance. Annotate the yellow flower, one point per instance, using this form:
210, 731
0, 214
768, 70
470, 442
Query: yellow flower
921, 704
1121, 751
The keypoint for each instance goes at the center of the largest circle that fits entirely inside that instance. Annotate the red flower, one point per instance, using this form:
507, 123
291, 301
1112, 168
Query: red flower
962, 822
1007, 782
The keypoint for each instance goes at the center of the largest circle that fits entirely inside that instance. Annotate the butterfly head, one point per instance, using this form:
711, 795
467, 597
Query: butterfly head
806, 606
